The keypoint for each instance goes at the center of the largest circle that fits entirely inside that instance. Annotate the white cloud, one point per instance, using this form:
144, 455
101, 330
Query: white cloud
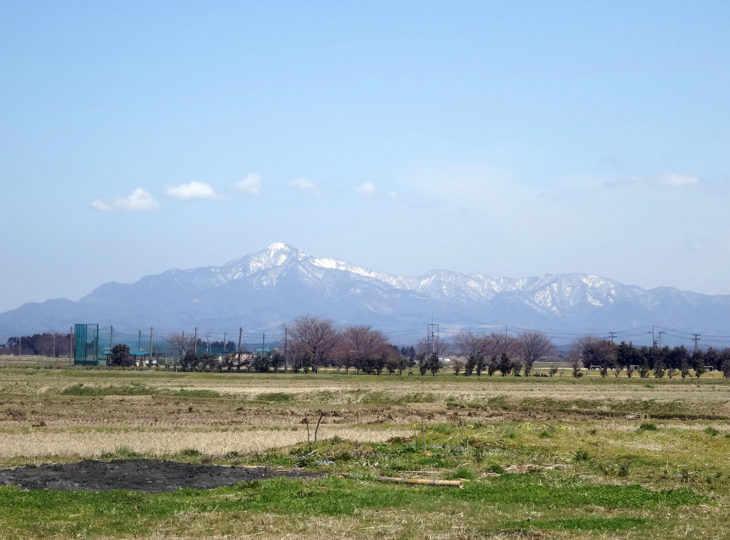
675, 180
304, 184
366, 189
190, 191
138, 201
251, 184
700, 244
393, 195
101, 205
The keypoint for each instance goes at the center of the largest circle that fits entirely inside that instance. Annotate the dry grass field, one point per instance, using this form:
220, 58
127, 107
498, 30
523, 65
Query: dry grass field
540, 457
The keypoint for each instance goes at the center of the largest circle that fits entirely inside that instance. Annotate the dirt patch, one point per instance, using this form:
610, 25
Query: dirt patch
147, 475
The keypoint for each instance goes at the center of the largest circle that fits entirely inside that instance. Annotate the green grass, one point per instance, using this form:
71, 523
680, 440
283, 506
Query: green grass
276, 397
192, 393
38, 513
133, 389
121, 452
379, 397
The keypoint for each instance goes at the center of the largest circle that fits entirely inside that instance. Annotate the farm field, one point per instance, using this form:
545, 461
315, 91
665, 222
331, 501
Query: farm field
539, 457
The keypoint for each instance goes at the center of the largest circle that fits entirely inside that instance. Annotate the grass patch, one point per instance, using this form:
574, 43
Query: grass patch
647, 426
192, 393
133, 389
40, 513
121, 452
462, 473
276, 397
380, 397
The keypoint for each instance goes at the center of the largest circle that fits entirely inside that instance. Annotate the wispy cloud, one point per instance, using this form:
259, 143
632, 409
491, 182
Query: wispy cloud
191, 191
677, 180
138, 201
101, 205
366, 189
674, 180
304, 184
700, 244
251, 184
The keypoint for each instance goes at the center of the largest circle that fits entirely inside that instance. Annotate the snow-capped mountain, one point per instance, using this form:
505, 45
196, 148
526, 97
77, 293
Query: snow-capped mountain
265, 289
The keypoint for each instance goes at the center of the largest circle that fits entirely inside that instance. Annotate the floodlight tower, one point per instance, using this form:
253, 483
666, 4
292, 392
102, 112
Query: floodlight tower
432, 334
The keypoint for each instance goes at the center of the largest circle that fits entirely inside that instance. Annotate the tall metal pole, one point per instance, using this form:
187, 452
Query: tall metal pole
286, 348
150, 351
696, 339
195, 342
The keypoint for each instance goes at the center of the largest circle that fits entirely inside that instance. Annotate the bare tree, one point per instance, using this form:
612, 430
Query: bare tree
534, 346
312, 340
368, 349
473, 347
181, 344
503, 347
428, 353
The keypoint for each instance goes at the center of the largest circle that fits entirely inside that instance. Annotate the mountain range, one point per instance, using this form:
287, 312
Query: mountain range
263, 290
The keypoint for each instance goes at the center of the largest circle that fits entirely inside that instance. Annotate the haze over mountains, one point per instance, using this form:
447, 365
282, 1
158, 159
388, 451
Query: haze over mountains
263, 290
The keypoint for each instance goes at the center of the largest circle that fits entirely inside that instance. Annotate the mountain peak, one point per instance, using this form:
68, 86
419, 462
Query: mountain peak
280, 246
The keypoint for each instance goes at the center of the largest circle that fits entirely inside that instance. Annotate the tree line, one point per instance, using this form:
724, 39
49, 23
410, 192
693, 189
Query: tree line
313, 343
605, 356
47, 344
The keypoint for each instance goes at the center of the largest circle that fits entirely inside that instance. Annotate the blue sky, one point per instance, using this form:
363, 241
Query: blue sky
510, 138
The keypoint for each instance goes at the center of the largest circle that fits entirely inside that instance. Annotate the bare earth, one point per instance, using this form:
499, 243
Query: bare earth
147, 475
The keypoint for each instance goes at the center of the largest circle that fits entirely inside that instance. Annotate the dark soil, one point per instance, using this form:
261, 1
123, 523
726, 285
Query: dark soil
148, 475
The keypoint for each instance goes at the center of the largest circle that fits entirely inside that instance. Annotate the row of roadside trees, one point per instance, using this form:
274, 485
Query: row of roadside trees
313, 343
607, 357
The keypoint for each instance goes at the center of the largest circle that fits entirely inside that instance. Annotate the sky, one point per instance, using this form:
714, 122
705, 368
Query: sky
504, 138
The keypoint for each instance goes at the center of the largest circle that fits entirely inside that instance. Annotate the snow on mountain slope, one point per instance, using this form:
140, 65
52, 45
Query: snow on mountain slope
267, 288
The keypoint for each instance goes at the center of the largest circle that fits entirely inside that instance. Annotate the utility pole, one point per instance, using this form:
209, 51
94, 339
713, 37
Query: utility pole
224, 343
71, 341
661, 333
111, 339
612, 336
653, 336
207, 342
286, 348
150, 351
139, 340
263, 343
195, 342
240, 334
696, 339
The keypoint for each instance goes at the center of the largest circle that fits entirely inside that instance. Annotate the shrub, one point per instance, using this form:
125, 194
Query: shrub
120, 356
